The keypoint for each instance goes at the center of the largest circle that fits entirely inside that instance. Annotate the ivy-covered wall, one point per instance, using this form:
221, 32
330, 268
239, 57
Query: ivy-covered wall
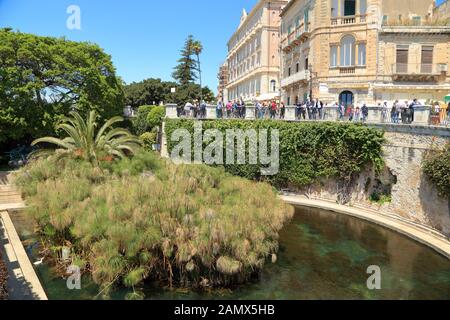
308, 152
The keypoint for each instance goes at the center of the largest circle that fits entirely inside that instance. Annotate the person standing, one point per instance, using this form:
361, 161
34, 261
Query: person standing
364, 112
282, 111
412, 110
351, 113
273, 110
357, 114
219, 110
298, 110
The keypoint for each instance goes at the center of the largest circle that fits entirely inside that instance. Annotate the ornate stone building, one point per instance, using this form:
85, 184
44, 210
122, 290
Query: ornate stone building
222, 76
363, 51
253, 54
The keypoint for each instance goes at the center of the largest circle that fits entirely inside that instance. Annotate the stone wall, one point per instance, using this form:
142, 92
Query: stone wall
414, 198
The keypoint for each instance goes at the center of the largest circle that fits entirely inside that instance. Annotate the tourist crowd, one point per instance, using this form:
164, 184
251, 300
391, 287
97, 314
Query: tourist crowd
397, 112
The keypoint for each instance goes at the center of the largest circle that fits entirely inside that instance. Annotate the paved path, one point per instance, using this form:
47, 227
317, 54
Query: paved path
23, 283
424, 235
10, 198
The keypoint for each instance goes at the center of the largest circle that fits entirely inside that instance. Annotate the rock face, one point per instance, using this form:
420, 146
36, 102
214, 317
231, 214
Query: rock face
414, 198
3, 280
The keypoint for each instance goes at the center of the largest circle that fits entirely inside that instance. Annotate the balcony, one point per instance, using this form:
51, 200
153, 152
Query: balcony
346, 20
295, 38
418, 71
301, 76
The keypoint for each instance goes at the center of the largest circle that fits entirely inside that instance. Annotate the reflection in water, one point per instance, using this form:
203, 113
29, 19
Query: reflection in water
322, 256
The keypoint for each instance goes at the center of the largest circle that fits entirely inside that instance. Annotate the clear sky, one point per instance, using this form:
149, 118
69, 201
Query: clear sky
144, 37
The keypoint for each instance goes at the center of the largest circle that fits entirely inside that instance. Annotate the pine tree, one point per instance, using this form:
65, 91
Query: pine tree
184, 72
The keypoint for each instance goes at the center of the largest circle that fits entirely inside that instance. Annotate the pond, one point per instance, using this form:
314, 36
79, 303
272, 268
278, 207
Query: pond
322, 255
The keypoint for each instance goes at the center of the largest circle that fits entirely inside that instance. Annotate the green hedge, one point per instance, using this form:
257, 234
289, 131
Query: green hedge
308, 151
436, 167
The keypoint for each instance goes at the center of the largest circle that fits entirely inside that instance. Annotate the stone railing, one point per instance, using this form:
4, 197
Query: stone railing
421, 115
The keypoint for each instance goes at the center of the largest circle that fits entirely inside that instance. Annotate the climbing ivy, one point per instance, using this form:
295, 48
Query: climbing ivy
436, 167
309, 151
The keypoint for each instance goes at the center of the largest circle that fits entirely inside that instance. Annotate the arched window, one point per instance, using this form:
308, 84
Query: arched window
273, 86
348, 51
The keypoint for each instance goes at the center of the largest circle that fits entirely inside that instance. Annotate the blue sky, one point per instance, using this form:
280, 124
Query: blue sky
143, 36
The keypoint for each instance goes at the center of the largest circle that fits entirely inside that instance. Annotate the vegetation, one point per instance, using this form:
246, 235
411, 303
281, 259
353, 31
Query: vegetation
155, 117
3, 279
140, 123
309, 152
145, 219
148, 92
436, 167
149, 139
85, 142
44, 78
155, 92
184, 72
197, 49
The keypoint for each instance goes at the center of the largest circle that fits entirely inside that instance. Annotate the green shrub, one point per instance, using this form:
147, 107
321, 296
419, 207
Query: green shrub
146, 219
309, 152
149, 139
436, 167
140, 123
155, 117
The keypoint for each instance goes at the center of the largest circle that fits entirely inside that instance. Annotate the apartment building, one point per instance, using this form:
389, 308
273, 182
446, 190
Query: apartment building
363, 51
253, 54
222, 76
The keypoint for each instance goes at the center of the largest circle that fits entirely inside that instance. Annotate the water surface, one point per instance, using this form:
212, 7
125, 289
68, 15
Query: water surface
322, 255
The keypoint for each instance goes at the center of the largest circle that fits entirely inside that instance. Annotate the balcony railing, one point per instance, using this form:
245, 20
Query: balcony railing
297, 77
360, 18
418, 69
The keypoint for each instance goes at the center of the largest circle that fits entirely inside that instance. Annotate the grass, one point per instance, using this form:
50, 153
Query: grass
145, 219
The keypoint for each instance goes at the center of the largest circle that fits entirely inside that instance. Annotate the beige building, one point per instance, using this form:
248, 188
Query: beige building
363, 51
253, 54
222, 76
443, 10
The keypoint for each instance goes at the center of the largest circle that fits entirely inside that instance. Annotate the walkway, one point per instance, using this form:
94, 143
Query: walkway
23, 283
10, 198
419, 233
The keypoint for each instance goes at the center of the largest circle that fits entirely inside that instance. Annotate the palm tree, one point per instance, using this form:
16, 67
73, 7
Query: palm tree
197, 48
83, 141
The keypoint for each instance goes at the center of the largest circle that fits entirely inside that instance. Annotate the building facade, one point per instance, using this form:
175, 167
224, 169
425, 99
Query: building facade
253, 54
222, 76
363, 51
443, 10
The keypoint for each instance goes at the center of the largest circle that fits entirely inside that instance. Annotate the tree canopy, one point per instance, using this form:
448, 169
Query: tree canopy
155, 92
42, 79
184, 72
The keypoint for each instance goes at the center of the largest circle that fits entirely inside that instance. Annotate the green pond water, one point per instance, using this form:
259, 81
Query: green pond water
322, 255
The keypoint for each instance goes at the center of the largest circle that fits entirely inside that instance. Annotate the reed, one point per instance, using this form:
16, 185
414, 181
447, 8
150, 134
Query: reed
145, 219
